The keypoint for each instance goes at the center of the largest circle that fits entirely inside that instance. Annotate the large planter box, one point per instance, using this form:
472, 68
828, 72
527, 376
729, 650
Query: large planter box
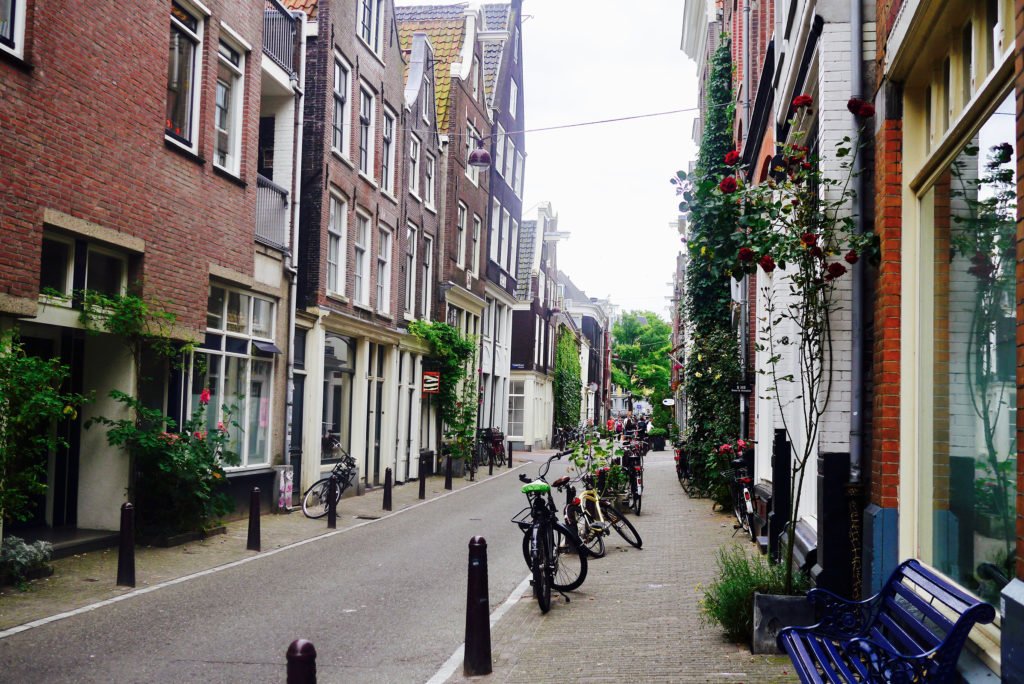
772, 612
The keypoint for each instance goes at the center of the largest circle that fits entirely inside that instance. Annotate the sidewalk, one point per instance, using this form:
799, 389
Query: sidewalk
83, 579
635, 619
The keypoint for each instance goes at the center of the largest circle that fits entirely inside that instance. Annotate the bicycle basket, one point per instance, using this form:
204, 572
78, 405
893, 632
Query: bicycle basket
524, 518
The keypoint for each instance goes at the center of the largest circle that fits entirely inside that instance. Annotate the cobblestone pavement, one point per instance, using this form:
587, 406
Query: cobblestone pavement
635, 619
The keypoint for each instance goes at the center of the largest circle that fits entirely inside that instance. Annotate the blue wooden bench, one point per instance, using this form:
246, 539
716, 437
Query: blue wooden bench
911, 631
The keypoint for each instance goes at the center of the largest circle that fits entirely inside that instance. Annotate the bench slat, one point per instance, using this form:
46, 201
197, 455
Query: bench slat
822, 659
895, 636
940, 622
839, 660
803, 662
957, 600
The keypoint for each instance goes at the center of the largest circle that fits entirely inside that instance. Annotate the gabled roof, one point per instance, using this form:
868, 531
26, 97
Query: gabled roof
307, 6
571, 291
445, 27
527, 245
496, 18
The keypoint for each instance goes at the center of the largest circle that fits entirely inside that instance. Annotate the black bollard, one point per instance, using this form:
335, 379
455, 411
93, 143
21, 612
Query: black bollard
490, 461
510, 455
448, 472
332, 502
126, 548
301, 657
387, 489
477, 656
423, 477
253, 542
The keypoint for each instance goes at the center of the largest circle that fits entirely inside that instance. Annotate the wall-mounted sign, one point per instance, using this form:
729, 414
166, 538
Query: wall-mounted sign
431, 382
668, 402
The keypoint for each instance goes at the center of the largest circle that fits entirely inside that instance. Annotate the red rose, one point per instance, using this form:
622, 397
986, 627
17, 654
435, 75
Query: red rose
204, 396
860, 108
802, 101
767, 263
835, 269
732, 158
746, 254
806, 166
851, 257
809, 239
728, 185
816, 252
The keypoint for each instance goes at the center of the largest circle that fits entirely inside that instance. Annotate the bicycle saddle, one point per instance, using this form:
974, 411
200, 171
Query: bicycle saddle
561, 482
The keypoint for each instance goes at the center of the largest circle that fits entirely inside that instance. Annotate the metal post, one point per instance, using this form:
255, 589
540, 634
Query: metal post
423, 476
448, 472
253, 543
332, 502
301, 658
509, 452
126, 548
387, 489
477, 655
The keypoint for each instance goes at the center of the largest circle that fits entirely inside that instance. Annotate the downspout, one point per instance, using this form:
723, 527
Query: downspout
857, 284
746, 68
293, 272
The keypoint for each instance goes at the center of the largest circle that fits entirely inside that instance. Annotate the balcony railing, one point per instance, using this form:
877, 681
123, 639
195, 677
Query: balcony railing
271, 213
279, 35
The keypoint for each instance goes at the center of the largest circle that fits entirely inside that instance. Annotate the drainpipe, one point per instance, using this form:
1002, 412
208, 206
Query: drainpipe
293, 272
746, 69
857, 284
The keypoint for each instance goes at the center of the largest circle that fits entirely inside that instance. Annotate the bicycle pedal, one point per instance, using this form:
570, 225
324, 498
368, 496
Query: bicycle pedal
599, 526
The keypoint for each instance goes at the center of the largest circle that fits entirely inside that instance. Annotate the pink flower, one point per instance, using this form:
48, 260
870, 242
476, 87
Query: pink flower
741, 444
220, 425
204, 396
200, 436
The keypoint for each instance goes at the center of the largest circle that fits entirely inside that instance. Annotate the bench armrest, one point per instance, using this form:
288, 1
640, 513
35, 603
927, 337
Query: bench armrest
840, 617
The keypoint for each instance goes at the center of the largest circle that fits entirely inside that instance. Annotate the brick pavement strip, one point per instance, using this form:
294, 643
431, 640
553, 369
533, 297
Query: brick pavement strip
635, 619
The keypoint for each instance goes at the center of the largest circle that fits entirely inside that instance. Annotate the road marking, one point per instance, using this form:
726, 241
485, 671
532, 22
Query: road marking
452, 664
227, 566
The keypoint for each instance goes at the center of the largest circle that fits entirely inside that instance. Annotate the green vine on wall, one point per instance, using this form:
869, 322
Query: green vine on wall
568, 380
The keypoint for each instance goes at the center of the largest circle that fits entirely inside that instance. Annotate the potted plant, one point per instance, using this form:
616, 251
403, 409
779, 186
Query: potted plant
658, 436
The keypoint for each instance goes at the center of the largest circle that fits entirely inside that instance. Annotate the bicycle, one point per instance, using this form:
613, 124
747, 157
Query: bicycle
633, 462
553, 553
591, 514
315, 500
742, 502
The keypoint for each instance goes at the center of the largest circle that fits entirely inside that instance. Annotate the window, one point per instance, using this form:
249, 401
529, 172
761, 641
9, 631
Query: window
425, 100
384, 271
515, 46
429, 169
506, 232
339, 369
514, 248
342, 88
228, 109
517, 175
238, 370
55, 266
387, 154
182, 76
428, 275
360, 281
410, 269
366, 115
516, 407
460, 238
106, 272
495, 230
475, 246
966, 63
472, 172
499, 150
475, 79
414, 165
507, 164
513, 99
12, 26
337, 229
369, 22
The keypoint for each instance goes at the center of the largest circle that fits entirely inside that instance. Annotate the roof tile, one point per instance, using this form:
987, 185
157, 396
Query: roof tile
445, 27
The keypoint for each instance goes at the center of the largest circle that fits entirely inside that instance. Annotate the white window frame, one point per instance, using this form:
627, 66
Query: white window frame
477, 230
429, 173
375, 8
15, 24
361, 259
236, 92
411, 234
495, 230
415, 147
462, 214
69, 268
509, 162
366, 167
428, 275
342, 115
425, 100
472, 172
499, 150
387, 151
513, 98
513, 259
475, 79
506, 224
517, 175
337, 237
384, 247
119, 256
191, 141
515, 46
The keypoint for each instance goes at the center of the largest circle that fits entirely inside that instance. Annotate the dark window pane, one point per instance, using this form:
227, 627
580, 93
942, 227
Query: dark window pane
53, 269
236, 346
104, 274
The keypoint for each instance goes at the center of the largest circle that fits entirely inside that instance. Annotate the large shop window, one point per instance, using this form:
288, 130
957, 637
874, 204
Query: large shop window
339, 366
236, 363
968, 484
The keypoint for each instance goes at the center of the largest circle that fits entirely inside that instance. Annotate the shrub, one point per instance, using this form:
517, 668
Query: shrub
19, 559
657, 432
729, 600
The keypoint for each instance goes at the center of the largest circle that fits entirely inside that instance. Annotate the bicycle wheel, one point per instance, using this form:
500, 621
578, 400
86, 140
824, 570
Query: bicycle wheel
571, 560
499, 455
621, 524
314, 501
539, 567
592, 540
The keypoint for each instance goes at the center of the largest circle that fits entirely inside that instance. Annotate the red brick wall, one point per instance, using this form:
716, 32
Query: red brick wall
82, 132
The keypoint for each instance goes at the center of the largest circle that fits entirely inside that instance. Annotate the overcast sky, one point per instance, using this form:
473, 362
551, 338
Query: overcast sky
587, 60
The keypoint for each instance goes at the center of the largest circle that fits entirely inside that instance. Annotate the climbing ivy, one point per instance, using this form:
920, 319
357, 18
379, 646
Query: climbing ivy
568, 380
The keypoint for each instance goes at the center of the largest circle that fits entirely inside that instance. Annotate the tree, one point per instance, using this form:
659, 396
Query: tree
641, 366
31, 403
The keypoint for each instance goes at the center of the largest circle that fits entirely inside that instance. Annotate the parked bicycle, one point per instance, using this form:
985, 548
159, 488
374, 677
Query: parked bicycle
742, 501
592, 514
490, 446
552, 551
315, 500
633, 463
